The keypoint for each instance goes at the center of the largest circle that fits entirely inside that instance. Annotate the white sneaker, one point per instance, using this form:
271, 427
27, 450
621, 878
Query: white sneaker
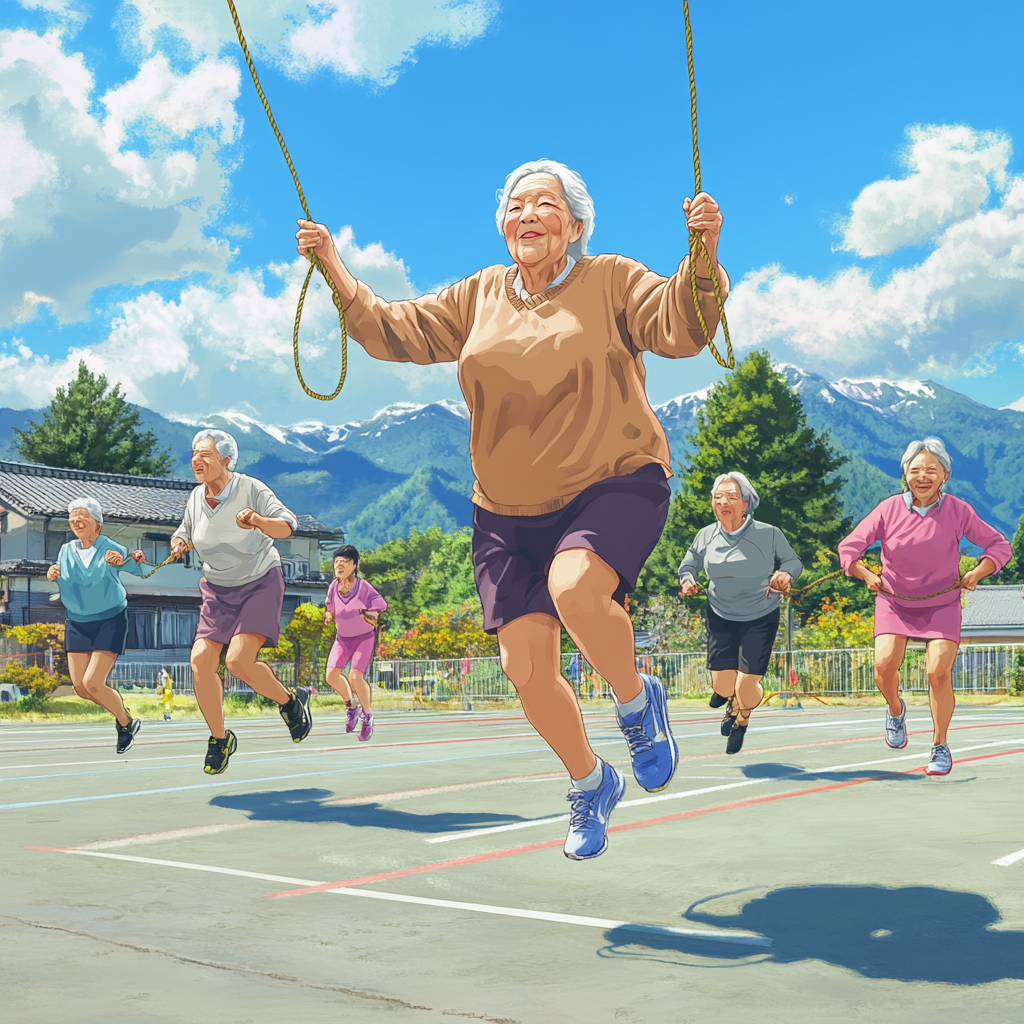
896, 727
941, 762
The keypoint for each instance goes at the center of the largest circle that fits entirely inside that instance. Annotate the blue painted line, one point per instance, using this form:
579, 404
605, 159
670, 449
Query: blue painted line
258, 782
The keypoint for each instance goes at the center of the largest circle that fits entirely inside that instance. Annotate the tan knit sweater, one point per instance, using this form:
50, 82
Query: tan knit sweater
554, 385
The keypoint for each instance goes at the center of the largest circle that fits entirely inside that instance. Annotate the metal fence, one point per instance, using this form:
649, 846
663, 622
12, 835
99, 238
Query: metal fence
979, 668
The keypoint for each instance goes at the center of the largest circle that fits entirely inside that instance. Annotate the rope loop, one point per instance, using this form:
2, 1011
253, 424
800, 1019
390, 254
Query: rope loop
315, 262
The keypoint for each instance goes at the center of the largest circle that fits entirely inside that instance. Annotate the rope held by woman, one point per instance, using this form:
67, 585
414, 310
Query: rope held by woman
315, 262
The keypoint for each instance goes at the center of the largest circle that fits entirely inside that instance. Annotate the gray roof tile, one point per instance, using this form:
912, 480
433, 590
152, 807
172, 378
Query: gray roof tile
999, 605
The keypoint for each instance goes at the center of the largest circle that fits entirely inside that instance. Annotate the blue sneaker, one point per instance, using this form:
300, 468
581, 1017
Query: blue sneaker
896, 727
652, 749
588, 815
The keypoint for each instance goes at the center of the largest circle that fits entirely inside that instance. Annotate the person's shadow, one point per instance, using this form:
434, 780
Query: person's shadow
312, 805
772, 770
913, 933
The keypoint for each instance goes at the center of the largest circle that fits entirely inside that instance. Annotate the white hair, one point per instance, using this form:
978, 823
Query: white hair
90, 505
747, 493
581, 206
929, 444
225, 444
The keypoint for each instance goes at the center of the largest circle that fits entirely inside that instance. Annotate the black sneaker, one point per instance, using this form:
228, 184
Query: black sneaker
296, 713
126, 734
735, 743
218, 752
729, 721
717, 700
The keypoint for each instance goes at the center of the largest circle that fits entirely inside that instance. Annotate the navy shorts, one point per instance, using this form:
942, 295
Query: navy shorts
97, 635
745, 646
620, 519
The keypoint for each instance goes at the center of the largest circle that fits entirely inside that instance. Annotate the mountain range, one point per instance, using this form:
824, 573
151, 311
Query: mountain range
408, 465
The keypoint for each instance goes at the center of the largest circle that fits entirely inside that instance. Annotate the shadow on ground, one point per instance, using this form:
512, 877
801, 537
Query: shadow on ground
312, 805
915, 933
769, 770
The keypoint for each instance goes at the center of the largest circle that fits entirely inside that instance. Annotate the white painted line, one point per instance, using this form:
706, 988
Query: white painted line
1010, 858
735, 937
662, 797
170, 834
738, 937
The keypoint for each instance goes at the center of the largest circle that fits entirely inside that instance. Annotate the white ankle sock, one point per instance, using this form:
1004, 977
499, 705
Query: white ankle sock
592, 781
631, 707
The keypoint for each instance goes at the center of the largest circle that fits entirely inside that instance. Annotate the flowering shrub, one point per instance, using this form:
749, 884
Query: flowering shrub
836, 625
449, 634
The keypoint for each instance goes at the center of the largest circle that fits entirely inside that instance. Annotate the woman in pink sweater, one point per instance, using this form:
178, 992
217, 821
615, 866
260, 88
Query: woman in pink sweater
353, 606
920, 531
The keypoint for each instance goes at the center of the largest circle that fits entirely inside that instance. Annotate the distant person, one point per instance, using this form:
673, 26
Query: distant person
571, 463
88, 576
231, 521
749, 565
354, 607
917, 596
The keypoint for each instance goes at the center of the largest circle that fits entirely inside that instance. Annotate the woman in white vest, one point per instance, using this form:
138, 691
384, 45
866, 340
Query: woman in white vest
232, 520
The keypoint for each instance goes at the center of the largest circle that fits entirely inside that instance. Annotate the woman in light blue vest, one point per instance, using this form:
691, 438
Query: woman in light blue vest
88, 575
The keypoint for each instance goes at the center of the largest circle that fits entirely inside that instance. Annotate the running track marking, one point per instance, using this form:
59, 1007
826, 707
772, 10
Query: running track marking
734, 937
533, 823
1010, 858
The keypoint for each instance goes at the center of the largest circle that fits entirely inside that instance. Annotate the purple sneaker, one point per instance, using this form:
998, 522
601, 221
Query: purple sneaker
351, 717
366, 729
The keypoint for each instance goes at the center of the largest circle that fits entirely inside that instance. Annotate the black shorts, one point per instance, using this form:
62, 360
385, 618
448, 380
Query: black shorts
97, 635
745, 646
620, 519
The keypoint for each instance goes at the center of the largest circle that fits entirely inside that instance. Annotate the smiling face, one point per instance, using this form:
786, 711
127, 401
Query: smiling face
208, 463
925, 476
538, 223
83, 526
729, 506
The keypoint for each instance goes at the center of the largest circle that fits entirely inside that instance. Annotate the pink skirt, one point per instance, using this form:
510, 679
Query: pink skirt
905, 618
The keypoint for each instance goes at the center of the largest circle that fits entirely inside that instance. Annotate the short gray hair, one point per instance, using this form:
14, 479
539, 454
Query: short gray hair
90, 505
929, 444
747, 493
581, 206
226, 445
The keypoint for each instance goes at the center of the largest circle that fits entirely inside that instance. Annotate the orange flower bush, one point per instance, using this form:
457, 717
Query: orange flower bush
447, 634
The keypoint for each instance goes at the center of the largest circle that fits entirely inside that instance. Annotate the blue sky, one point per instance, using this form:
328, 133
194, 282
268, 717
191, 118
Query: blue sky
863, 156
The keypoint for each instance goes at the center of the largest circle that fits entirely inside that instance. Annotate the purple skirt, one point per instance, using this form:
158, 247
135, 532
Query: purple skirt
251, 608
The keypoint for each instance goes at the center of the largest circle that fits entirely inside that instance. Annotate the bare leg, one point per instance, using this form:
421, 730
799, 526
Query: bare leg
336, 681
582, 585
241, 662
209, 689
89, 673
749, 693
939, 661
361, 688
889, 653
531, 658
723, 681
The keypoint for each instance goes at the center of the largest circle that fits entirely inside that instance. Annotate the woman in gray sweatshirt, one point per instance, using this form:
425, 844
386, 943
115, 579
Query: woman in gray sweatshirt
749, 566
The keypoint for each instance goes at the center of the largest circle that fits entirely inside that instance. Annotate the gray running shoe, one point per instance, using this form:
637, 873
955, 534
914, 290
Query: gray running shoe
941, 762
896, 727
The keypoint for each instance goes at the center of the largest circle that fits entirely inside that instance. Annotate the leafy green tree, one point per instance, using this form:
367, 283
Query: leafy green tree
754, 423
1013, 571
89, 425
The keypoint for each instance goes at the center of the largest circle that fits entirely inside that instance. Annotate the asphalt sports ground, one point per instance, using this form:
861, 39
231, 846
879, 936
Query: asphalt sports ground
817, 876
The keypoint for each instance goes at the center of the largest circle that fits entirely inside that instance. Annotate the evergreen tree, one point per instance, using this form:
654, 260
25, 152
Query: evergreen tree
754, 423
91, 426
1013, 571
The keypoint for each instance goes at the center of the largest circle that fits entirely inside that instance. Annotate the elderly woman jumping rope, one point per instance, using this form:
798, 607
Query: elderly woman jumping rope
231, 521
570, 460
918, 591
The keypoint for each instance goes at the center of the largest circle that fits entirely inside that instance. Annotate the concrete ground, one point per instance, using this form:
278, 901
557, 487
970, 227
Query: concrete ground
818, 876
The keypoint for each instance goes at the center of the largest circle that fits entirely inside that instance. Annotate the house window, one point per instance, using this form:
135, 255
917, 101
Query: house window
178, 626
52, 543
155, 550
142, 629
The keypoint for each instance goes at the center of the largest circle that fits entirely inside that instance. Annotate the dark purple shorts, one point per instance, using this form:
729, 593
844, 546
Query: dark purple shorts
620, 519
251, 608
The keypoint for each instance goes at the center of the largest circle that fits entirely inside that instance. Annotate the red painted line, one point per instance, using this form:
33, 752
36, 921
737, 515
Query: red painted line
481, 858
52, 849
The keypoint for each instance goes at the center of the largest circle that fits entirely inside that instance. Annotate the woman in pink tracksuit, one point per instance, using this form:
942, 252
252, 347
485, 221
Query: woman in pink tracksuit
353, 606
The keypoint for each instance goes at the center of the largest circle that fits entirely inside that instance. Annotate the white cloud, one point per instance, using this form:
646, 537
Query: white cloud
216, 347
950, 167
933, 317
367, 39
80, 212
